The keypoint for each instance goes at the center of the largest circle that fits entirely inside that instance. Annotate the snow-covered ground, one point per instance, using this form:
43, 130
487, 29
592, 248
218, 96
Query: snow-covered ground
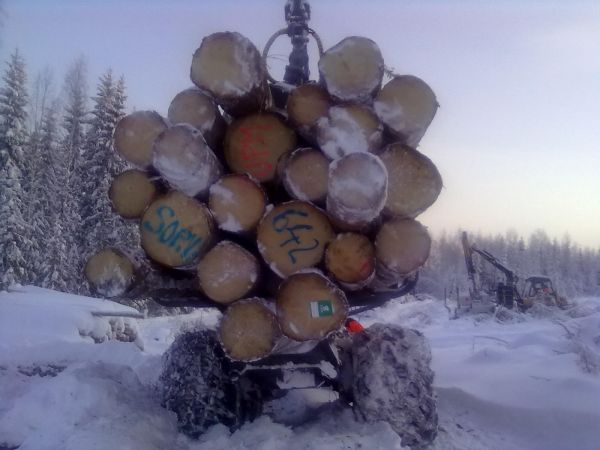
70, 379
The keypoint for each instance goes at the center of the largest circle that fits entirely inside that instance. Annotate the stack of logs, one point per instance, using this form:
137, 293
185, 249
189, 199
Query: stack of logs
279, 212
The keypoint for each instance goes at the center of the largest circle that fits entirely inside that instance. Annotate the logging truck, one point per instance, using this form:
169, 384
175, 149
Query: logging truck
290, 207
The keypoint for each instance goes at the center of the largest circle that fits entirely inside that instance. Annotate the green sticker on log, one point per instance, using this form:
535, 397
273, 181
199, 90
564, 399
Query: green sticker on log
321, 308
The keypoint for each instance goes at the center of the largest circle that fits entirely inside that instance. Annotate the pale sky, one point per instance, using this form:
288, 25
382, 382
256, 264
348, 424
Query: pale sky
517, 137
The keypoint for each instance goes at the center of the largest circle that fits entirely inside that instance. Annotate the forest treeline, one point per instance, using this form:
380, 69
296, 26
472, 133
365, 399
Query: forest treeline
57, 162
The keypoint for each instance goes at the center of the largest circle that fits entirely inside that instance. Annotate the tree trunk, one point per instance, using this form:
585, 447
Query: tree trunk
185, 161
176, 230
310, 306
305, 175
357, 190
110, 272
248, 330
131, 192
305, 106
237, 203
227, 272
194, 107
407, 105
350, 260
352, 70
349, 129
293, 236
255, 143
135, 134
414, 182
230, 67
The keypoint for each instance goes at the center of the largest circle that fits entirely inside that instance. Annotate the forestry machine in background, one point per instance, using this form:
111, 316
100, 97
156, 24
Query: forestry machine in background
485, 297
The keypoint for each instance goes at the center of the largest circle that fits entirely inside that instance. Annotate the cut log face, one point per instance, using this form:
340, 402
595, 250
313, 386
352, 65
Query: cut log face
237, 203
350, 259
407, 105
176, 230
185, 161
248, 330
255, 143
306, 105
230, 67
357, 190
309, 306
352, 70
305, 175
349, 129
401, 247
414, 182
227, 272
293, 236
198, 109
135, 134
131, 192
109, 272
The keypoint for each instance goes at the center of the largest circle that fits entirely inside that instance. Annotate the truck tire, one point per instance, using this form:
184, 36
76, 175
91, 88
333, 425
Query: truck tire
196, 383
392, 382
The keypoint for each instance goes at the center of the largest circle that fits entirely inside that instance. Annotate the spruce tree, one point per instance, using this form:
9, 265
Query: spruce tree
14, 231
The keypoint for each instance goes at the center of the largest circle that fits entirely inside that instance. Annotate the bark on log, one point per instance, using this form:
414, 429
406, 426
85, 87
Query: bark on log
110, 272
248, 330
131, 192
293, 236
237, 203
227, 272
176, 230
414, 182
349, 129
185, 161
198, 109
305, 106
305, 175
357, 190
407, 105
310, 306
230, 67
350, 260
255, 143
135, 134
352, 70
401, 247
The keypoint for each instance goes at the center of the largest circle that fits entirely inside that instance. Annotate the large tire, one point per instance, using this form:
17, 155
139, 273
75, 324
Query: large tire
392, 382
196, 384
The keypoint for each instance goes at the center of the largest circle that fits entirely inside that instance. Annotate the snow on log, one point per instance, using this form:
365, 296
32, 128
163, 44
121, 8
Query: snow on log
352, 70
176, 230
310, 306
230, 67
349, 129
185, 161
135, 134
414, 181
401, 247
254, 144
237, 203
110, 272
197, 108
407, 105
305, 175
293, 236
227, 272
306, 105
131, 192
350, 260
248, 330
357, 190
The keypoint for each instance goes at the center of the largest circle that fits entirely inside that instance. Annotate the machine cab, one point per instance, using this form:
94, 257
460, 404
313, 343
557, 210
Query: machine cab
538, 285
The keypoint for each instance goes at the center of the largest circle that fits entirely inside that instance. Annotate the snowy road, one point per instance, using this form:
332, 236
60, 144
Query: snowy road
529, 383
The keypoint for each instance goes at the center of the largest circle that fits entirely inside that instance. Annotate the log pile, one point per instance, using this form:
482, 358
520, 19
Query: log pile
278, 213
